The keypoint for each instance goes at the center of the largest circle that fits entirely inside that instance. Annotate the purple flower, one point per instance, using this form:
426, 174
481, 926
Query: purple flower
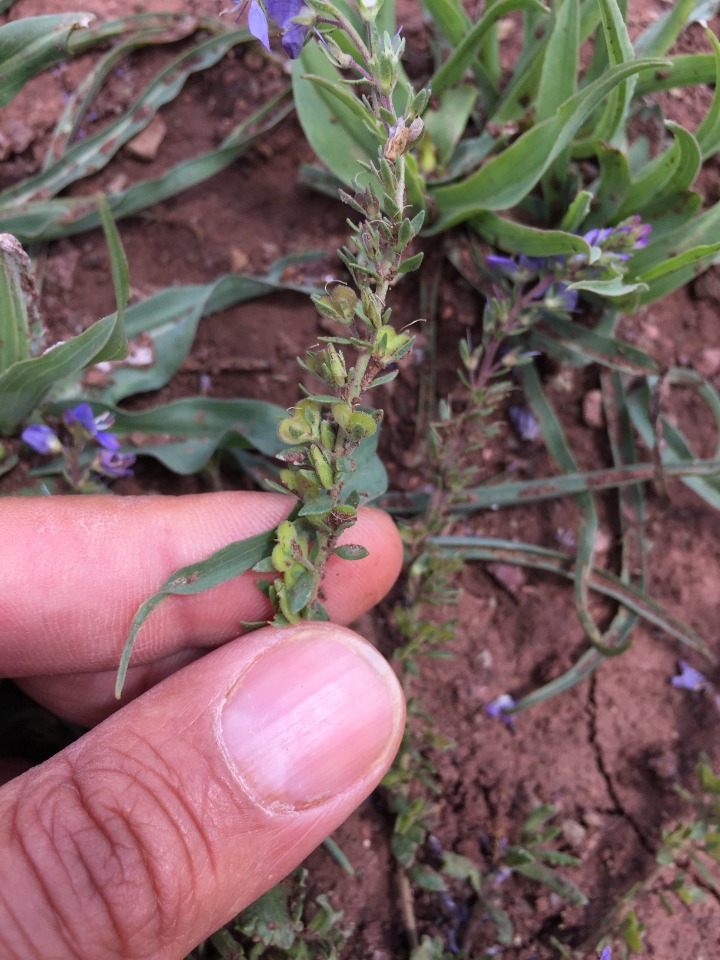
505, 264
282, 12
524, 423
93, 427
41, 438
499, 707
598, 236
690, 679
112, 464
606, 954
559, 297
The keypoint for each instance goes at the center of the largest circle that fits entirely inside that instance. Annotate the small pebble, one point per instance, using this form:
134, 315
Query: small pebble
592, 409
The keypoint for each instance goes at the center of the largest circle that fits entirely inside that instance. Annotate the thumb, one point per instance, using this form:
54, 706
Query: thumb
156, 828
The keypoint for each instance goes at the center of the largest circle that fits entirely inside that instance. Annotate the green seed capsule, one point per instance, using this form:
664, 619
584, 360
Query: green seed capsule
322, 467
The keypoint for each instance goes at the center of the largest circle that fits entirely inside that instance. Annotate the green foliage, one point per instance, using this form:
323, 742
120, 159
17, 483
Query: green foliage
27, 374
546, 148
31, 210
31, 45
281, 925
686, 869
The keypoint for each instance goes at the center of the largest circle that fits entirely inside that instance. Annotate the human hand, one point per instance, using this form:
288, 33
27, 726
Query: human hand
185, 805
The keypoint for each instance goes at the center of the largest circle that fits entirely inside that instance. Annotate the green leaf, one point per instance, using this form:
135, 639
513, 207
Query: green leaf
331, 127
507, 178
269, 921
609, 126
300, 592
167, 321
708, 133
223, 565
513, 237
317, 507
94, 152
631, 930
426, 878
678, 271
577, 211
446, 125
351, 551
184, 434
25, 384
602, 581
454, 23
684, 70
563, 887
612, 187
660, 36
32, 44
50, 219
610, 288
676, 449
558, 79
664, 176
127, 35
117, 345
17, 297
470, 38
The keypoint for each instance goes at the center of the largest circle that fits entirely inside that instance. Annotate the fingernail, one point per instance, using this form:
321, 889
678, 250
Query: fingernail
310, 718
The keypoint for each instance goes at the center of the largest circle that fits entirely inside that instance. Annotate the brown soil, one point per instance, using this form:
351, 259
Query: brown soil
607, 753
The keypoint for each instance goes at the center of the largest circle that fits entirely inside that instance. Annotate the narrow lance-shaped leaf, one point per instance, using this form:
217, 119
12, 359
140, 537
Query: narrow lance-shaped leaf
32, 44
50, 219
17, 297
662, 34
453, 69
665, 176
93, 153
610, 125
602, 581
25, 384
560, 452
708, 133
507, 178
223, 565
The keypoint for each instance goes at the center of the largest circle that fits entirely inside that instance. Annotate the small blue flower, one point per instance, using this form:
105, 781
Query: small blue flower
606, 954
598, 236
112, 464
505, 264
282, 12
690, 679
524, 423
558, 297
499, 707
95, 428
41, 438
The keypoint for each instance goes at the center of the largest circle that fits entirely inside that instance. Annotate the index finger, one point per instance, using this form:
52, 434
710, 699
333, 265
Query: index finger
74, 570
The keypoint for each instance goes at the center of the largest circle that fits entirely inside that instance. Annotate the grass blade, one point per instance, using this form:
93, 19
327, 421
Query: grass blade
33, 44
602, 581
223, 565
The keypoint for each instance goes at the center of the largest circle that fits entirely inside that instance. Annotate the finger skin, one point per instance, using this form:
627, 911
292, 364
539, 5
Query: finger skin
145, 835
74, 571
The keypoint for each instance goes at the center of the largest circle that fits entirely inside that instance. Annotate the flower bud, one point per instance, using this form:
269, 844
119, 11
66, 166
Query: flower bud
386, 73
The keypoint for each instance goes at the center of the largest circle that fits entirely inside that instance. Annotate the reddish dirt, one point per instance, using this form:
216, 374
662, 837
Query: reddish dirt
607, 753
